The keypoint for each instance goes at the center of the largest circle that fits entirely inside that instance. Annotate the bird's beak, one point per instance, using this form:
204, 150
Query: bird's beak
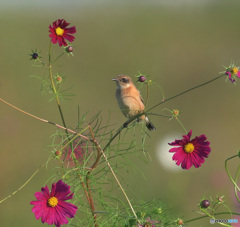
114, 79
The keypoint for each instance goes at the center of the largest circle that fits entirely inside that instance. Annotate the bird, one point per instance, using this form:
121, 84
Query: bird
130, 101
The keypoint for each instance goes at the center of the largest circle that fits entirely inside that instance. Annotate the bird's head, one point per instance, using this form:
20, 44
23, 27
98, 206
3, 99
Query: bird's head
123, 81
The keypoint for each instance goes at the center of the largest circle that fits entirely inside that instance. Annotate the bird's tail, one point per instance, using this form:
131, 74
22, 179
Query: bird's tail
149, 124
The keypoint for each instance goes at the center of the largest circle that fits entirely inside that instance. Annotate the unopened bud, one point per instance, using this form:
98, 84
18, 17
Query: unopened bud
58, 153
205, 203
35, 56
141, 79
180, 222
69, 49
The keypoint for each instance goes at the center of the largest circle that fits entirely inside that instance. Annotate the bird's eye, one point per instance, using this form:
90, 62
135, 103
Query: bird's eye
125, 80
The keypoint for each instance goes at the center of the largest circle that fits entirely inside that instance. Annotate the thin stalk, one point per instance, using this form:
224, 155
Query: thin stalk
29, 179
233, 181
181, 125
43, 120
91, 204
60, 55
206, 216
235, 189
186, 91
54, 88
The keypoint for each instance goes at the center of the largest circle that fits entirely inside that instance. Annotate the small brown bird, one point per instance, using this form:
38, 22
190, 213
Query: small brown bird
130, 100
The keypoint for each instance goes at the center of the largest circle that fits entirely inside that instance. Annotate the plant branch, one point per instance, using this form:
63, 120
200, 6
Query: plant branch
206, 216
54, 88
229, 175
43, 120
186, 91
29, 179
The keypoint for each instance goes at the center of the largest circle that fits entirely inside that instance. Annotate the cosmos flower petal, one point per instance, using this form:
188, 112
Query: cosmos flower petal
63, 24
68, 209
179, 156
63, 191
70, 38
187, 162
175, 149
71, 30
58, 217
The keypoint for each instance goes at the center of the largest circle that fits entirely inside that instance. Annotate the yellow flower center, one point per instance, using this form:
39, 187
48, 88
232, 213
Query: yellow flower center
189, 148
235, 70
52, 201
59, 31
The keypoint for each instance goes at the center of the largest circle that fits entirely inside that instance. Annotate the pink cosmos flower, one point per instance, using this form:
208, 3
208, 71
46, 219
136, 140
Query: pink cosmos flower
149, 222
59, 32
190, 152
232, 72
52, 207
77, 151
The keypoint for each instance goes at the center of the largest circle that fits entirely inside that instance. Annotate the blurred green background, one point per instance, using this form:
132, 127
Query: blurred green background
178, 43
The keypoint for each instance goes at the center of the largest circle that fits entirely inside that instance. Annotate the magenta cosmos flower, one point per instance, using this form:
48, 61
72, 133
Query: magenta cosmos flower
59, 32
149, 222
232, 72
52, 207
190, 152
77, 152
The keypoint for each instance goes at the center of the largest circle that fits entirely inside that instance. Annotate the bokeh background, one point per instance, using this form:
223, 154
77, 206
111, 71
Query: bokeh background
179, 43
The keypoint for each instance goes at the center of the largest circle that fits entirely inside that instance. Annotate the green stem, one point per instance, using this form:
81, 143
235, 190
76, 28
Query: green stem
54, 88
206, 216
60, 55
186, 91
182, 125
29, 179
236, 186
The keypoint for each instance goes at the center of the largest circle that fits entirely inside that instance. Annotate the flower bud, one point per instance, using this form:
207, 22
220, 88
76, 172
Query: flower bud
59, 79
175, 113
205, 203
180, 222
220, 199
141, 79
35, 56
69, 49
58, 153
